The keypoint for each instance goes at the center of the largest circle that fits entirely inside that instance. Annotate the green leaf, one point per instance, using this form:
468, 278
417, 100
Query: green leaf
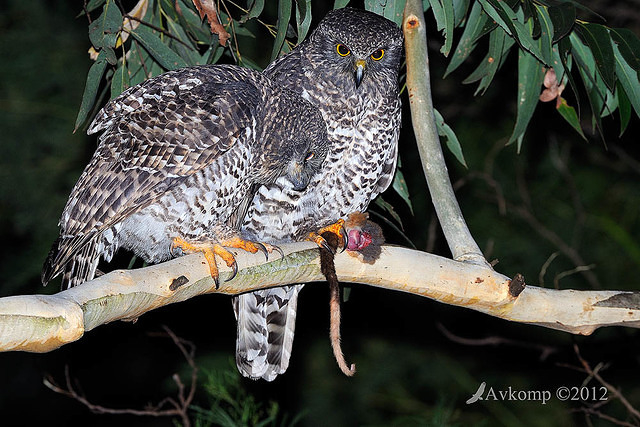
387, 207
598, 40
303, 18
513, 23
166, 57
593, 83
168, 9
628, 78
254, 11
390, 9
628, 44
624, 107
119, 81
530, 78
569, 114
475, 24
460, 8
339, 4
444, 14
91, 89
400, 186
94, 4
190, 19
184, 49
445, 131
563, 16
546, 34
284, 14
499, 45
103, 32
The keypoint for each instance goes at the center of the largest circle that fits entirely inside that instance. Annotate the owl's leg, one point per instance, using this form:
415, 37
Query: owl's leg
211, 249
336, 228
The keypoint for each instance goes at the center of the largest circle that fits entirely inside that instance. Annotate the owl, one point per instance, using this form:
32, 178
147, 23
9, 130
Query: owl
347, 68
178, 163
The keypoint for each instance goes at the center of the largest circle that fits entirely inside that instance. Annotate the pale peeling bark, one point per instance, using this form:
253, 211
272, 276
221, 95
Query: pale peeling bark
461, 243
41, 323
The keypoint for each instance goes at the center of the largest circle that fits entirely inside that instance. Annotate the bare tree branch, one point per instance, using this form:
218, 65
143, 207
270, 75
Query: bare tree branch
176, 408
462, 245
41, 323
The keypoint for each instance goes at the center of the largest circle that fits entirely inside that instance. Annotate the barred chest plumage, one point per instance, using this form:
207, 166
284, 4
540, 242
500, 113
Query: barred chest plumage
359, 166
190, 209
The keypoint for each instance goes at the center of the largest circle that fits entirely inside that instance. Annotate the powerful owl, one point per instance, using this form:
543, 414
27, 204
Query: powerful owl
348, 68
179, 160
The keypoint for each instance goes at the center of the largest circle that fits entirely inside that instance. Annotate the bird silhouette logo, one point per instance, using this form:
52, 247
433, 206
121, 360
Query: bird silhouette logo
478, 394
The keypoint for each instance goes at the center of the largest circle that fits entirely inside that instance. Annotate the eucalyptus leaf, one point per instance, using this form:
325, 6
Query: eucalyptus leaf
546, 33
91, 89
598, 40
103, 31
393, 10
569, 114
255, 10
530, 78
624, 107
284, 14
165, 57
563, 17
303, 18
460, 8
444, 13
120, 80
453, 144
400, 186
628, 78
628, 44
468, 40
513, 23
389, 208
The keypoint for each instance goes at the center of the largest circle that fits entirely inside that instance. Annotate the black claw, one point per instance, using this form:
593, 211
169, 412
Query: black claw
234, 266
277, 248
345, 239
264, 250
327, 247
217, 282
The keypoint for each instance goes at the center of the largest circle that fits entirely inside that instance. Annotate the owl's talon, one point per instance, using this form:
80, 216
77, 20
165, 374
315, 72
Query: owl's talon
264, 250
280, 251
336, 228
345, 238
234, 273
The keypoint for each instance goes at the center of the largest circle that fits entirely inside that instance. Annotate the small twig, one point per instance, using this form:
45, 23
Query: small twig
563, 274
156, 28
590, 411
545, 266
545, 351
180, 407
595, 374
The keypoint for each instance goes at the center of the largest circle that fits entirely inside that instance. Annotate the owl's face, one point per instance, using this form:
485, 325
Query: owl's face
308, 154
355, 48
299, 148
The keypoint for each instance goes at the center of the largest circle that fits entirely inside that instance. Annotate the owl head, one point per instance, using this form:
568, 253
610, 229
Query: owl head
355, 47
296, 142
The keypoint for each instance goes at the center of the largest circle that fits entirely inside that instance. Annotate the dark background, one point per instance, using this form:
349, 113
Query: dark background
409, 371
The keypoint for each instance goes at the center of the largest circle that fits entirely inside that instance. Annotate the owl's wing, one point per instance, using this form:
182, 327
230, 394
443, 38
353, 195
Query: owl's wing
155, 135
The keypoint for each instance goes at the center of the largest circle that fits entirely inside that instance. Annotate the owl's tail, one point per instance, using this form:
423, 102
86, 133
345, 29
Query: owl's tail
78, 265
266, 327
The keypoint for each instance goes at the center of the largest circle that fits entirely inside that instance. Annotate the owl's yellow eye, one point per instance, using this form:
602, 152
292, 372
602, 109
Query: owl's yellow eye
377, 55
310, 155
342, 50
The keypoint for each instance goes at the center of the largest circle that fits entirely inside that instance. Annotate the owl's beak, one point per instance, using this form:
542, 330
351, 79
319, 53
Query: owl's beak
297, 177
359, 71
